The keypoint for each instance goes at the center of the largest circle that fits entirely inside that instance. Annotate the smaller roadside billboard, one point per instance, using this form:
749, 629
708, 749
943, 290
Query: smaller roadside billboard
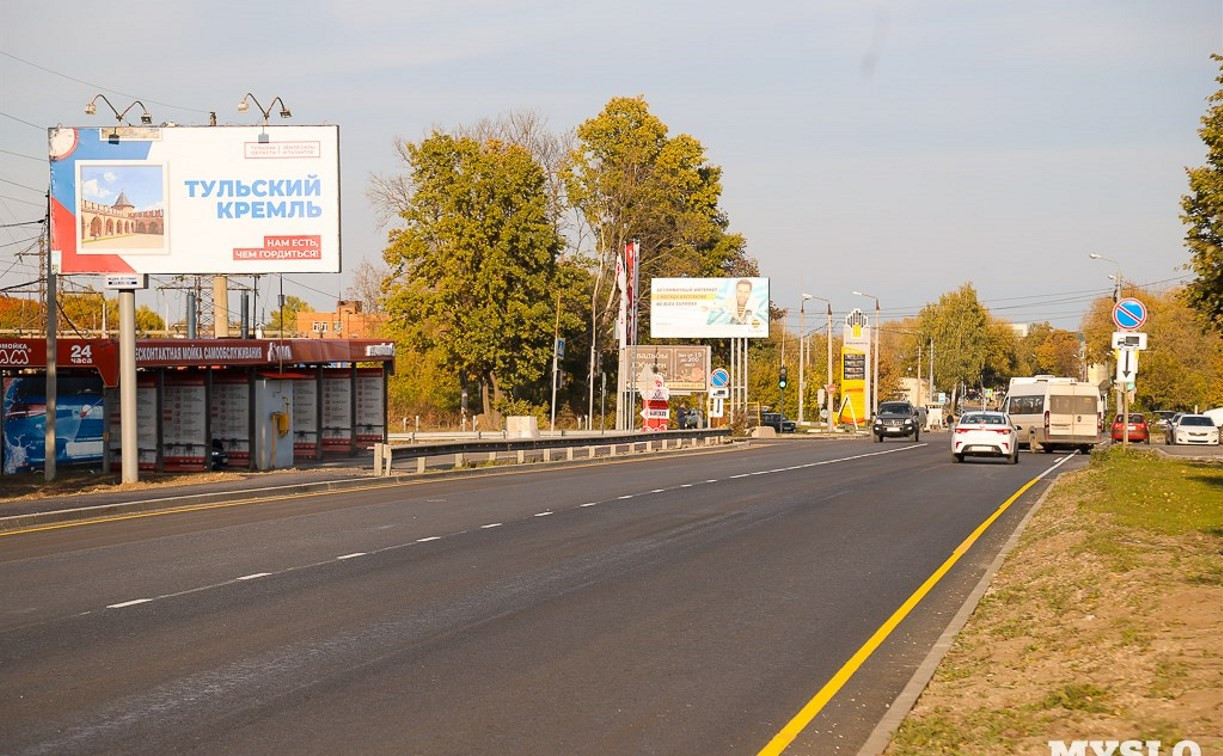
684, 367
709, 308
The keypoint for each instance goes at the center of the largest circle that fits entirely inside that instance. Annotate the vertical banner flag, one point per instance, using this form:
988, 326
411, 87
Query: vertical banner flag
622, 318
855, 370
631, 250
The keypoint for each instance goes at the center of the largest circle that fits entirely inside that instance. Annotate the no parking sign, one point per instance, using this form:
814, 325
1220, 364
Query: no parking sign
1129, 314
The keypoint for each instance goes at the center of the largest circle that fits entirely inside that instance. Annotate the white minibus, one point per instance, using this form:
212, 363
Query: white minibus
1051, 412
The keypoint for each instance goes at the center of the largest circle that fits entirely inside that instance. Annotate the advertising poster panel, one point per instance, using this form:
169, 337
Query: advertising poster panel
371, 412
146, 427
855, 370
79, 421
231, 396
184, 443
685, 368
709, 308
196, 200
337, 410
305, 418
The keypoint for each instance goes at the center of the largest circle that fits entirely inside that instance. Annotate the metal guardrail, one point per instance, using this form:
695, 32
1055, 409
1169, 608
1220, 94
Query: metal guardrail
386, 454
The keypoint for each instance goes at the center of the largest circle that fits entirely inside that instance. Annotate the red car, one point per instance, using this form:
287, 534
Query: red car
1138, 428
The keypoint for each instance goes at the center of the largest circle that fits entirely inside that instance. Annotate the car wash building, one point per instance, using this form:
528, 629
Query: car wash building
261, 404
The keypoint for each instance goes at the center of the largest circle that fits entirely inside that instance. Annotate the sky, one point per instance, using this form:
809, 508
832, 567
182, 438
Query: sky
900, 149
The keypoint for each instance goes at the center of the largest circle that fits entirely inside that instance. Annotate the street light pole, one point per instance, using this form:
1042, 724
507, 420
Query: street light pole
802, 358
875, 379
828, 387
1117, 280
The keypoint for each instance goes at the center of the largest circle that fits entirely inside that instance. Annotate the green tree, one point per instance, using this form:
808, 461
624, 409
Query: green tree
148, 322
19, 315
1181, 368
475, 267
1203, 214
629, 180
1050, 351
81, 312
286, 315
959, 326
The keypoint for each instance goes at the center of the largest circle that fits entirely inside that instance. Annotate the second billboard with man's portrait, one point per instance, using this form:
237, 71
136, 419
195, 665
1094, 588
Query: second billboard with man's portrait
709, 308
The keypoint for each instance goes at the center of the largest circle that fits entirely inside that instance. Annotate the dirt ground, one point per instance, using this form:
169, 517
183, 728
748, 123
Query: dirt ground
1090, 631
34, 486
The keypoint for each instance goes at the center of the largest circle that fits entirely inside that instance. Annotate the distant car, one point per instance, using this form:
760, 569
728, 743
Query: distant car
688, 419
1170, 426
778, 422
984, 434
1194, 429
1138, 430
218, 456
1162, 417
896, 420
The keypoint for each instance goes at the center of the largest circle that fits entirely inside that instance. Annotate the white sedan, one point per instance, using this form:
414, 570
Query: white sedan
1193, 429
985, 434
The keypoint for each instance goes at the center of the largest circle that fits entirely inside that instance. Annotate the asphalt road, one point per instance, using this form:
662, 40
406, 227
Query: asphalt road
684, 604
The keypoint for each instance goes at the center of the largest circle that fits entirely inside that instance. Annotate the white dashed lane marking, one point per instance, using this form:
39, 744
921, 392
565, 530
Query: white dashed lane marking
253, 576
126, 604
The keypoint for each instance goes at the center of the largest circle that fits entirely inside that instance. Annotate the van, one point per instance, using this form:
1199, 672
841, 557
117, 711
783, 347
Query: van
1050, 412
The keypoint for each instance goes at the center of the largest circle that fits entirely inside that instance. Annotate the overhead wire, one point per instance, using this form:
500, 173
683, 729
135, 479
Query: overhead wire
98, 86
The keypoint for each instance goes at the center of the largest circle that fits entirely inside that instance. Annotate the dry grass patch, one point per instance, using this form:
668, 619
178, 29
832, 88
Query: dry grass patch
1105, 623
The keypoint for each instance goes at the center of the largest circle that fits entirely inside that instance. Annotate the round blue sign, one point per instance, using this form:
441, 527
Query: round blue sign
1129, 314
719, 378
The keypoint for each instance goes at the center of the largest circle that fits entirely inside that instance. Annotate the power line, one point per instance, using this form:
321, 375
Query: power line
23, 223
24, 202
22, 120
98, 86
23, 186
20, 241
27, 157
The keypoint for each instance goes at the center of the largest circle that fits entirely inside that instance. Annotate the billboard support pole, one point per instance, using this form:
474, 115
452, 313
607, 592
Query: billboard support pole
128, 445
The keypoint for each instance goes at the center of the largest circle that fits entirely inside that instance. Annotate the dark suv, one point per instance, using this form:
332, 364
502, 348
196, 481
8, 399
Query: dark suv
778, 422
896, 419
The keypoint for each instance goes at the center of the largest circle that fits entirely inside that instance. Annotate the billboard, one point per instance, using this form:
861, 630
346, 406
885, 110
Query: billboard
709, 308
855, 370
685, 368
196, 200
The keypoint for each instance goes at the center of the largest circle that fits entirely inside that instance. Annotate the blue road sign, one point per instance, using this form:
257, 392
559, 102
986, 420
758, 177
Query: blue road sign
1129, 314
719, 378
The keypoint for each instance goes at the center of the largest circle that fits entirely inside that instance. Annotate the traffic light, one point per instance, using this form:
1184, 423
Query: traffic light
781, 379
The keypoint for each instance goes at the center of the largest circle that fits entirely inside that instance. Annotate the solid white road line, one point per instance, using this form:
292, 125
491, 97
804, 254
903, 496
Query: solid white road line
253, 576
353, 555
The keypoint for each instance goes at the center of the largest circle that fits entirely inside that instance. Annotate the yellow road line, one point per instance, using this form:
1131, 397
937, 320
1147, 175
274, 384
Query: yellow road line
800, 721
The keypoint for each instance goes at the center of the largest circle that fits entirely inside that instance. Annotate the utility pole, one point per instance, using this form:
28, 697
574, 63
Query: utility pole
51, 389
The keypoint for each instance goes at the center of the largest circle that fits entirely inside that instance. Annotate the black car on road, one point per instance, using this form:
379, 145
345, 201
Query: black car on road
896, 420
